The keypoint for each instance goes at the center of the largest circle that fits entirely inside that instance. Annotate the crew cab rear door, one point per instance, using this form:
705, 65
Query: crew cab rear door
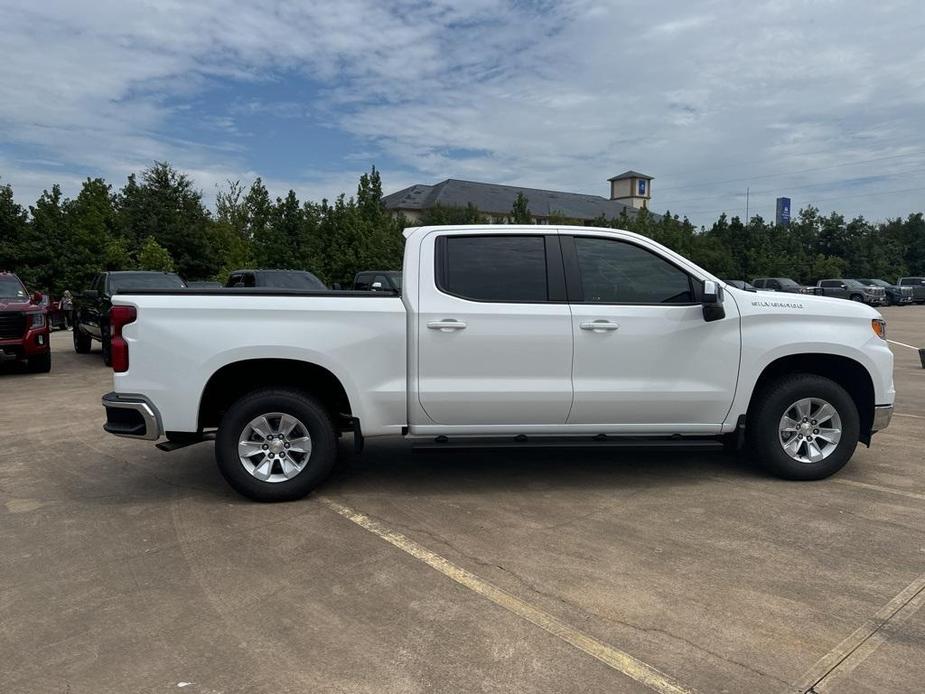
645, 357
494, 329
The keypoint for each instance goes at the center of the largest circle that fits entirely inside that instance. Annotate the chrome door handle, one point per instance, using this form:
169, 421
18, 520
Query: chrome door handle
599, 326
446, 325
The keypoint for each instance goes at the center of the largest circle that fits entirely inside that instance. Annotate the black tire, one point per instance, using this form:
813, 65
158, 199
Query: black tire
106, 342
857, 297
304, 408
771, 403
40, 364
82, 341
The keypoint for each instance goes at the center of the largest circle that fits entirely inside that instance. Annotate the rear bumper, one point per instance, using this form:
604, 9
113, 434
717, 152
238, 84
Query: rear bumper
132, 417
882, 416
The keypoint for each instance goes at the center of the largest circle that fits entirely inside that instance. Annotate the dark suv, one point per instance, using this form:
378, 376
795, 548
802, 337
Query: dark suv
91, 308
917, 284
23, 325
277, 279
782, 284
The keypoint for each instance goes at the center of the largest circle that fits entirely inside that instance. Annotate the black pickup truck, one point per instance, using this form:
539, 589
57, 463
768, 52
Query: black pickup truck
91, 308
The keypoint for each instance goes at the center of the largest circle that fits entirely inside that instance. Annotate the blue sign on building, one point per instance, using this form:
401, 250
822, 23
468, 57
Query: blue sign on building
642, 186
783, 212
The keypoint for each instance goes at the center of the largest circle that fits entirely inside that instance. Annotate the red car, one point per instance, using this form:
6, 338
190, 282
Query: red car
23, 326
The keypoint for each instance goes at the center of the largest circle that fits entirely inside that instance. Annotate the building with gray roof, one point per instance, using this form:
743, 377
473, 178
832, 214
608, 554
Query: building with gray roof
629, 192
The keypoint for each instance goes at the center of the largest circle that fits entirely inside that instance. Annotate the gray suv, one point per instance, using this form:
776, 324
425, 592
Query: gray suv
853, 290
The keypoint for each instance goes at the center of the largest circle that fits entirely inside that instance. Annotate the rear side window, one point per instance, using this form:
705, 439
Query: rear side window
494, 268
615, 272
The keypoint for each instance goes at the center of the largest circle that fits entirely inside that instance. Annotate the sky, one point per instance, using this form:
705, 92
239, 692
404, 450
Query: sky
821, 101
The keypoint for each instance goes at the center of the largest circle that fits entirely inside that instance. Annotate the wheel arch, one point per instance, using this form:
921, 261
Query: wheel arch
238, 378
847, 372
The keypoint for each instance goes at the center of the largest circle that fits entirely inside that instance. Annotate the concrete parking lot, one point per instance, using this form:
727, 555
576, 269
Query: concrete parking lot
124, 569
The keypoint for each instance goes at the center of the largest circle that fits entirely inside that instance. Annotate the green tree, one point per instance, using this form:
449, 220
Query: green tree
165, 205
153, 256
520, 212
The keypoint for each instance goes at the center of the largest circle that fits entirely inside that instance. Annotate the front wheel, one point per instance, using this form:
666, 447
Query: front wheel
40, 364
803, 427
275, 445
82, 341
857, 297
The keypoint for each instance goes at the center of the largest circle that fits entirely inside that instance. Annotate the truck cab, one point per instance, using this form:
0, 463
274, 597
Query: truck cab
23, 325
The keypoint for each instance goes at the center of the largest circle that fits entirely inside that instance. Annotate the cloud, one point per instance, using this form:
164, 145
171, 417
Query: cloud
805, 99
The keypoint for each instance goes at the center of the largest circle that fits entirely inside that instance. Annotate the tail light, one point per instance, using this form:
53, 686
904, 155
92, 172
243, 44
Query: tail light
119, 317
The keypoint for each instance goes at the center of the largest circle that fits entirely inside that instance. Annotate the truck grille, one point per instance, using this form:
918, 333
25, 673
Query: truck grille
12, 324
906, 291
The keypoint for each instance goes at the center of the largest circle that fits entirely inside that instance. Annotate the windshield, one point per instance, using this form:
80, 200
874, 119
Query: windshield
787, 282
11, 288
853, 283
292, 280
144, 280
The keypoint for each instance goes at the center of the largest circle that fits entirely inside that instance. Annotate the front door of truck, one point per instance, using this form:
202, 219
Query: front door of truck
494, 330
645, 358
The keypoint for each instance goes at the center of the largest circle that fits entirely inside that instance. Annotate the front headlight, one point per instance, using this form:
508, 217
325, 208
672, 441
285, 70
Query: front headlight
878, 325
36, 320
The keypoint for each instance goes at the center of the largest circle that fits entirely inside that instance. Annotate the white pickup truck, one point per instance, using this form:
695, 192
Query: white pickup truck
503, 335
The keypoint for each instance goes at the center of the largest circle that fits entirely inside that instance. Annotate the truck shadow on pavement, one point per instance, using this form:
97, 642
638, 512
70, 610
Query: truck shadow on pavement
392, 467
395, 467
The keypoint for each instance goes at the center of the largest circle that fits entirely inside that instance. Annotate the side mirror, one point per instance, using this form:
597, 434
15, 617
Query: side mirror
712, 301
336, 286
37, 297
843, 286
376, 286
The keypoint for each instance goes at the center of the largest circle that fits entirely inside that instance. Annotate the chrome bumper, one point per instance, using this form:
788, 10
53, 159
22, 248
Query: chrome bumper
131, 416
882, 416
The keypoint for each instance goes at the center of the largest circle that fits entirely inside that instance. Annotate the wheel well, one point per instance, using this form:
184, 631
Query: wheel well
848, 373
235, 380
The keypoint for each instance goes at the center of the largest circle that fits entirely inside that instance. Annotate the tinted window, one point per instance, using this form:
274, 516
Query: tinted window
11, 288
496, 268
290, 280
144, 280
786, 282
830, 283
614, 272
363, 282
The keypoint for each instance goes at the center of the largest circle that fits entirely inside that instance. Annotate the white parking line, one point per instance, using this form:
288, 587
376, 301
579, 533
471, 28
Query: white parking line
903, 344
851, 652
886, 490
613, 657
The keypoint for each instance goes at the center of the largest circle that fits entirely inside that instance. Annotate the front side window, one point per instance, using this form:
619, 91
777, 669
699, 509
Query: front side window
495, 268
616, 272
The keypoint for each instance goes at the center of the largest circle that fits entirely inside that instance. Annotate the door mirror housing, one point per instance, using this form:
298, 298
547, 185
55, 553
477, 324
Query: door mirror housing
37, 297
376, 286
712, 300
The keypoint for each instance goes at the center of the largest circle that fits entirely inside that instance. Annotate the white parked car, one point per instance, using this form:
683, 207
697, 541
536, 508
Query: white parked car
510, 334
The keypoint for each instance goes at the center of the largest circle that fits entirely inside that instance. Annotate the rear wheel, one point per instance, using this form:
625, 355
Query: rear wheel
82, 341
803, 427
40, 364
275, 445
